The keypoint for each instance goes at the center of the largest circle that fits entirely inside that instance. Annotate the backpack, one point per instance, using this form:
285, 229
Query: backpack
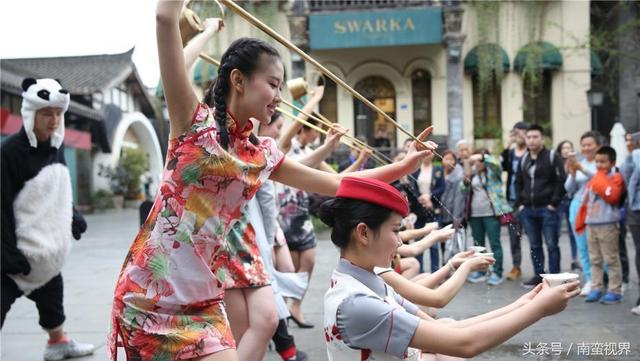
552, 157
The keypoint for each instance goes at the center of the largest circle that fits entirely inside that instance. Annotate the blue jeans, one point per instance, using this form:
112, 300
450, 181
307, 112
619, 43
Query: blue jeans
581, 241
538, 222
564, 215
434, 251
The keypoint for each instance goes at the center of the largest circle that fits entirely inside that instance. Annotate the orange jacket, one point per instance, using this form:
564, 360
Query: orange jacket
609, 188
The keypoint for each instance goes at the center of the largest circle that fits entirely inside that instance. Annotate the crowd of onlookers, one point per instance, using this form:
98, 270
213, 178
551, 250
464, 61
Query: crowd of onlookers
532, 189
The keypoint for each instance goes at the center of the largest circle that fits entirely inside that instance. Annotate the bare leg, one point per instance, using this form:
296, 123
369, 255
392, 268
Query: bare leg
295, 259
283, 260
410, 267
57, 335
263, 321
305, 262
237, 312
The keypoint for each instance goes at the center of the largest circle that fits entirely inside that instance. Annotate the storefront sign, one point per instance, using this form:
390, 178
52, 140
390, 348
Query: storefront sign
375, 28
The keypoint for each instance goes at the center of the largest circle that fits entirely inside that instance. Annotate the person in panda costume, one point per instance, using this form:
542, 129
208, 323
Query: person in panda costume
38, 218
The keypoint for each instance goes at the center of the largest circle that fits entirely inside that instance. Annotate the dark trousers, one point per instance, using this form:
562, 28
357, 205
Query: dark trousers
48, 299
515, 239
538, 222
563, 209
622, 248
635, 234
285, 344
434, 251
490, 226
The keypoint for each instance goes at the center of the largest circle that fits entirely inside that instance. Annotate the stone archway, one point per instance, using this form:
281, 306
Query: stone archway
134, 127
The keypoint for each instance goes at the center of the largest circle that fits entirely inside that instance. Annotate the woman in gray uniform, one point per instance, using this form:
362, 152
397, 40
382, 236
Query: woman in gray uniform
365, 319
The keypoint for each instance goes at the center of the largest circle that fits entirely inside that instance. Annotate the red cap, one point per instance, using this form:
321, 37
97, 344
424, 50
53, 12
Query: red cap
373, 191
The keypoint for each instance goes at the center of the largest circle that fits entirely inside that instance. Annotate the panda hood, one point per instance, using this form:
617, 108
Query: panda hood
38, 94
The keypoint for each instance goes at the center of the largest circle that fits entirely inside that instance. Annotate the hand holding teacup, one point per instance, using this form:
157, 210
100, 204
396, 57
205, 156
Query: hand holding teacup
478, 264
551, 300
529, 296
460, 257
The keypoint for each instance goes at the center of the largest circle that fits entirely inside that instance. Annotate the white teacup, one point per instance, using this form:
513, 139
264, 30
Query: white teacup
487, 254
557, 279
476, 249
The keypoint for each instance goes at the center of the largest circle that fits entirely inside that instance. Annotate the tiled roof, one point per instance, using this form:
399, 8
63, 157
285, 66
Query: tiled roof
78, 74
11, 83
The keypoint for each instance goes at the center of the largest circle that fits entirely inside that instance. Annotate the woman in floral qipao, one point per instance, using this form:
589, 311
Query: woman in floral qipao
168, 298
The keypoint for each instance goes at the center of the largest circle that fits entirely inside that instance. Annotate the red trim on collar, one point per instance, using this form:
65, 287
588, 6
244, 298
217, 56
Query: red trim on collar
233, 129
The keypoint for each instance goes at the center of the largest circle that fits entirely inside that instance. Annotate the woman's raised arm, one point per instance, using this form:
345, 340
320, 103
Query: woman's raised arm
299, 176
284, 143
181, 100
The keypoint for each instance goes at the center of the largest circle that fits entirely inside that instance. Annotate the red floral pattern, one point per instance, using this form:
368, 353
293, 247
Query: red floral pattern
167, 302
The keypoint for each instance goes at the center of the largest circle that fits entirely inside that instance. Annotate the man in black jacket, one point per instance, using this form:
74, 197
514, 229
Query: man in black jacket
510, 159
539, 190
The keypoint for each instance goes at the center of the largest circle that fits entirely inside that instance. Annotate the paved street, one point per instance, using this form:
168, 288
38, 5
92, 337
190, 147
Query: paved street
94, 262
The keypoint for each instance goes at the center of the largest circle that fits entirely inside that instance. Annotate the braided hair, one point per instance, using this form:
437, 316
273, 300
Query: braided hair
343, 216
244, 55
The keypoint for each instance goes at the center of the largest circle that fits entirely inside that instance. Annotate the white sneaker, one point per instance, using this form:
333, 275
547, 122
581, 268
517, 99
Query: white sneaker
636, 310
64, 350
585, 289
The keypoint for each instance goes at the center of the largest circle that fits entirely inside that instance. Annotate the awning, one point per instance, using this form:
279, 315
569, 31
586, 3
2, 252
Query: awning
491, 50
550, 56
596, 64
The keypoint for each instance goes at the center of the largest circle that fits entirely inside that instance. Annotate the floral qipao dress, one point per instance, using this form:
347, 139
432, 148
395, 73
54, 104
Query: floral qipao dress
168, 297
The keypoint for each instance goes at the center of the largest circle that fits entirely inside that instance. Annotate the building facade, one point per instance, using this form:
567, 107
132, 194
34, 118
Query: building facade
110, 111
395, 54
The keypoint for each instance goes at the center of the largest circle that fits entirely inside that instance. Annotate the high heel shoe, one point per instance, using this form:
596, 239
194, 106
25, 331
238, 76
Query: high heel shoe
300, 324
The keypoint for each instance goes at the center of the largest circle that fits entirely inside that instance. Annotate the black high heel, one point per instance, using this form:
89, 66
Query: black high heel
299, 323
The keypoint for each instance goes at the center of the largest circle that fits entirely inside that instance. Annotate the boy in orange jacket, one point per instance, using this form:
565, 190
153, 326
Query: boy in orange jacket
600, 214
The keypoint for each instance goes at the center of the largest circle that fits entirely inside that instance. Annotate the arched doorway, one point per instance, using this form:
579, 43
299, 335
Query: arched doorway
133, 131
374, 127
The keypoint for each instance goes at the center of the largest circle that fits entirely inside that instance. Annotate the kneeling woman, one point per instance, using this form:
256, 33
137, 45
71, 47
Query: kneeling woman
365, 319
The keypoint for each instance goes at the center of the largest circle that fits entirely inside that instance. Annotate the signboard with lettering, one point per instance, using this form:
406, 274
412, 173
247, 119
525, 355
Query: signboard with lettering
375, 28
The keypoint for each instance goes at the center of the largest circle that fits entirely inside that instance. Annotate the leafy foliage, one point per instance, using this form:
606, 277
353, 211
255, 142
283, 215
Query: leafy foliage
124, 179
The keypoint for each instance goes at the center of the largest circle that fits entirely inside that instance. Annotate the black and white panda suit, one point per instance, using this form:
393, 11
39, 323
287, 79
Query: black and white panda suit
38, 218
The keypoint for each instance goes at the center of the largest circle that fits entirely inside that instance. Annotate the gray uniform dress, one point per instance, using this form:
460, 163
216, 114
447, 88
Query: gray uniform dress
368, 323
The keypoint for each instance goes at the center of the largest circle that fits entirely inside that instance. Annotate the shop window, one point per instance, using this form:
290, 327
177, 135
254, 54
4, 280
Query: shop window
378, 131
329, 104
421, 88
537, 101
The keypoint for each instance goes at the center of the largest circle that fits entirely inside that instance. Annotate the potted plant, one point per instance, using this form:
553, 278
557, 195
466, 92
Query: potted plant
101, 200
118, 182
136, 163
